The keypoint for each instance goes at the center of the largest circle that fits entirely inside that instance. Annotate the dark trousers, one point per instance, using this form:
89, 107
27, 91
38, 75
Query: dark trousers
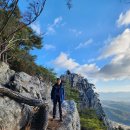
54, 107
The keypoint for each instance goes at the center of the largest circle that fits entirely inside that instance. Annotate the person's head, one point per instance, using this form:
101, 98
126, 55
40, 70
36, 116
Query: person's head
58, 81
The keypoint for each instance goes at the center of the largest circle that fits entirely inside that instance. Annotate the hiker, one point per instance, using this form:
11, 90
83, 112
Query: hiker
57, 95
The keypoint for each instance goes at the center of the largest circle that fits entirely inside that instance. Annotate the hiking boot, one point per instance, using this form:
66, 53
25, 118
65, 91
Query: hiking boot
60, 120
53, 118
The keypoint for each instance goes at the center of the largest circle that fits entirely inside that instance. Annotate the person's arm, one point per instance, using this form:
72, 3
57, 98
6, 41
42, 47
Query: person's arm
63, 93
52, 92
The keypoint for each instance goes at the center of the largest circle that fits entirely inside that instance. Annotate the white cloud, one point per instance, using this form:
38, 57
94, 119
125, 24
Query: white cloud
117, 69
87, 70
51, 28
124, 19
91, 60
57, 21
83, 45
36, 28
49, 46
63, 61
118, 45
75, 31
119, 66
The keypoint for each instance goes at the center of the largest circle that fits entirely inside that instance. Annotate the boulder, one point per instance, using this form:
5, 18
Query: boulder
71, 116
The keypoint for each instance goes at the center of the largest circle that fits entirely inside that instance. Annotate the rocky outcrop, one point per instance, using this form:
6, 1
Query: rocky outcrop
71, 118
22, 103
88, 98
5, 73
22, 99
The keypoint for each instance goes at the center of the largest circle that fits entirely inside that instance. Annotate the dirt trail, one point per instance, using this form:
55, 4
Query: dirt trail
54, 124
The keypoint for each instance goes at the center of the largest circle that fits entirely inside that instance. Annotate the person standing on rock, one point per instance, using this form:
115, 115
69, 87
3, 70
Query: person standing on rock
57, 95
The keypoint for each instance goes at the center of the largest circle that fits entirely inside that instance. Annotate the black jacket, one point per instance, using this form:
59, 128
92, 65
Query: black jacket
54, 92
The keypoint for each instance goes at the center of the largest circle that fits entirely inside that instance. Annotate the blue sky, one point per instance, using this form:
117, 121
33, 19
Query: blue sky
91, 39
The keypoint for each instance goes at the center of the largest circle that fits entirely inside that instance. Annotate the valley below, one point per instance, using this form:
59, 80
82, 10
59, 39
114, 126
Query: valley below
117, 108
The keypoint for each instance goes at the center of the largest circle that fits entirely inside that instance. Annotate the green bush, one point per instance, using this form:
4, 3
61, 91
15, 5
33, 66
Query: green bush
90, 121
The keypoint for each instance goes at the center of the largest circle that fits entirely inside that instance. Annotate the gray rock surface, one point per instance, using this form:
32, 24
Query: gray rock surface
71, 116
16, 116
10, 114
5, 73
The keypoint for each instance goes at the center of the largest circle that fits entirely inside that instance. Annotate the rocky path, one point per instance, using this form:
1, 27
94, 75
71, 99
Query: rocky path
54, 124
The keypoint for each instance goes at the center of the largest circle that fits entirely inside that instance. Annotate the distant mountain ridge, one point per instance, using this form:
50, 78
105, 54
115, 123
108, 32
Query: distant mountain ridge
115, 96
116, 106
117, 111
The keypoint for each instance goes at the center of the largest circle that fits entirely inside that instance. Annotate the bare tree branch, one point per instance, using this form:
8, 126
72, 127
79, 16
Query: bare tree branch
69, 4
20, 98
28, 19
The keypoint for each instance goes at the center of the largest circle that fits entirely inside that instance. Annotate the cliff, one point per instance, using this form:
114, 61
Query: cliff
88, 99
25, 104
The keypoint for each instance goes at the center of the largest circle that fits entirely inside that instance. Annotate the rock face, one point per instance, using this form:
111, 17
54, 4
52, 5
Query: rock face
88, 98
19, 116
5, 73
71, 118
10, 114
